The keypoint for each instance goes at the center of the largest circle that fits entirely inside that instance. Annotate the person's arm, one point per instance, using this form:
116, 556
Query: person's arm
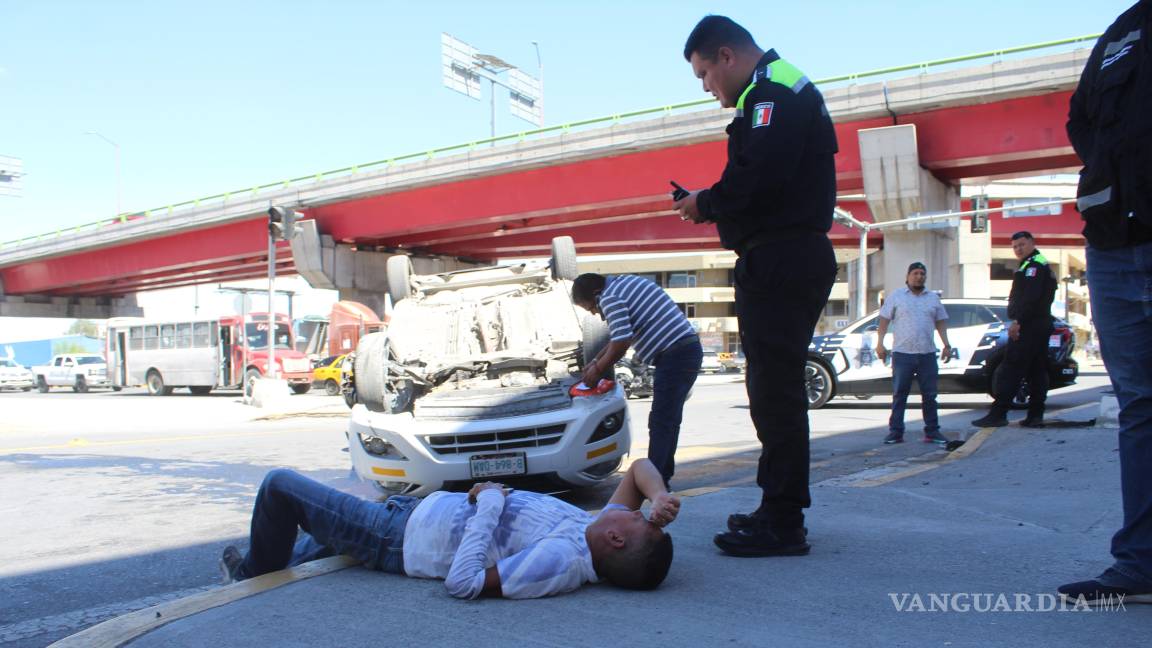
942, 329
468, 577
643, 481
619, 319
607, 359
881, 331
1035, 298
1079, 125
768, 160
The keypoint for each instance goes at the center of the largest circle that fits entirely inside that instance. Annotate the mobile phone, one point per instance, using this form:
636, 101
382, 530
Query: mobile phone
680, 193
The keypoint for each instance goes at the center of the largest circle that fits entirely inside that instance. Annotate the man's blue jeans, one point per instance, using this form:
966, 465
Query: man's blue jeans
1120, 282
333, 522
922, 367
676, 371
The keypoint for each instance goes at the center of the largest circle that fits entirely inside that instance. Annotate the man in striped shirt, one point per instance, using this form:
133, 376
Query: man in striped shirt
642, 316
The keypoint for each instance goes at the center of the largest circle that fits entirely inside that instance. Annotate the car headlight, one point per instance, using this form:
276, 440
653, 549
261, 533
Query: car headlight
378, 447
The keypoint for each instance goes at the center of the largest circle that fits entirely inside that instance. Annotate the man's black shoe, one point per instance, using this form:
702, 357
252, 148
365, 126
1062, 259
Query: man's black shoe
1032, 422
991, 420
230, 565
1093, 592
763, 542
753, 521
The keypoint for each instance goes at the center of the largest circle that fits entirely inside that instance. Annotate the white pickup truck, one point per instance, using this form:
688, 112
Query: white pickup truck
76, 370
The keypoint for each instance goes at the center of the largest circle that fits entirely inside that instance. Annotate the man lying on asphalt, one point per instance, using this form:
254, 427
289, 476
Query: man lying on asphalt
491, 541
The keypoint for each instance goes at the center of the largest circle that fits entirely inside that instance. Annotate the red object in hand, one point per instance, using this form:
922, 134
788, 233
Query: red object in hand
602, 387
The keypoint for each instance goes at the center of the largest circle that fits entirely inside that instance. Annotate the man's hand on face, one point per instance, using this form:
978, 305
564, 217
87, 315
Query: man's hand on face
664, 510
1014, 331
483, 486
688, 209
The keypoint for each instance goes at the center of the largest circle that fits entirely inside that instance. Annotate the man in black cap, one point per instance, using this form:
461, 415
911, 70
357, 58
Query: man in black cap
1030, 309
914, 313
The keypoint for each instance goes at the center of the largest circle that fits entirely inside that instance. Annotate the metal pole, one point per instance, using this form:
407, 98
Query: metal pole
492, 94
540, 68
271, 309
116, 147
862, 276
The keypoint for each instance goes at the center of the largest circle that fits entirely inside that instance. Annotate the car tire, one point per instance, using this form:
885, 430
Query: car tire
817, 384
398, 272
200, 390
42, 385
117, 388
331, 387
371, 370
300, 390
81, 385
596, 337
155, 384
564, 258
250, 378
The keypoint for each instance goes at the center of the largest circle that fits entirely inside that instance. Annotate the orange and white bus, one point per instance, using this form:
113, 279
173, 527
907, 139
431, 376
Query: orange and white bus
202, 354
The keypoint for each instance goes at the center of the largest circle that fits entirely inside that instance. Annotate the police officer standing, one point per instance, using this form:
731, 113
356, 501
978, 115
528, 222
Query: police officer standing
773, 205
1030, 309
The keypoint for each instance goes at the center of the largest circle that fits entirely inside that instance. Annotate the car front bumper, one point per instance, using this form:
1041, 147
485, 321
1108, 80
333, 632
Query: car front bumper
414, 467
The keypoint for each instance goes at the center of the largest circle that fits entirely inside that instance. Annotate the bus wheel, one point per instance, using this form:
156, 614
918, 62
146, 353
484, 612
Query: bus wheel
250, 378
200, 390
331, 387
155, 384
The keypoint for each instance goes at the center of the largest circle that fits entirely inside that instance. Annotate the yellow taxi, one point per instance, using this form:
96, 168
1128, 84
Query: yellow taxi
328, 374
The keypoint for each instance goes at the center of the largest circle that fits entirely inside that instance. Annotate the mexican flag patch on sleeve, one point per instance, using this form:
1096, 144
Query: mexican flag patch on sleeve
762, 114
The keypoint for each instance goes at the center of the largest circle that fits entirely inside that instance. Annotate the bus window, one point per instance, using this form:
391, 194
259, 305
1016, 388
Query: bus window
167, 335
183, 336
151, 337
136, 338
200, 337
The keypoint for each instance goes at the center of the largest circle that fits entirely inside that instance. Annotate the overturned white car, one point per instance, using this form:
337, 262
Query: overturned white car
472, 381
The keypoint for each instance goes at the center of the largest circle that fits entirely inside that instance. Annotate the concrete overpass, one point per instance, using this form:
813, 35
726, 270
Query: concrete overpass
606, 186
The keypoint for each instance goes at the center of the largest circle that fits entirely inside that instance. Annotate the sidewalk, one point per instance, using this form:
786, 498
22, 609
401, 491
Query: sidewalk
1023, 513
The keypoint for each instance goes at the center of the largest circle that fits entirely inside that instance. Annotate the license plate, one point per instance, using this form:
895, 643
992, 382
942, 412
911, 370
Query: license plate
1068, 372
498, 465
1054, 341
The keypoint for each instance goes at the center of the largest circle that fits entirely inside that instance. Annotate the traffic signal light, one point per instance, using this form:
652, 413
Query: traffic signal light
979, 219
282, 223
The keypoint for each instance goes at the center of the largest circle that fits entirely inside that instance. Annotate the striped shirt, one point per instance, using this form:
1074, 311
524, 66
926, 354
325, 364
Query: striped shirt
536, 542
637, 308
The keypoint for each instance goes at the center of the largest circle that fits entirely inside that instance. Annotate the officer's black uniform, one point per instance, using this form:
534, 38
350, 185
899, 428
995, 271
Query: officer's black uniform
773, 205
1029, 304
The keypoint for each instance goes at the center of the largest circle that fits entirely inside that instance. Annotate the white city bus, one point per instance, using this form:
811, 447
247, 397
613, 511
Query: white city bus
201, 354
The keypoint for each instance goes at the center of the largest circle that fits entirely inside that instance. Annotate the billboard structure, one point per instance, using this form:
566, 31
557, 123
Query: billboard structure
11, 176
463, 68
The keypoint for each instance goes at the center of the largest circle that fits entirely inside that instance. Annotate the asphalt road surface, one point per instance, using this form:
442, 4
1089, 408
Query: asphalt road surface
113, 502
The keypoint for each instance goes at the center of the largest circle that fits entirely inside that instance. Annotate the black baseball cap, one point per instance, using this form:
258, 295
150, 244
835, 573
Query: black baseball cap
916, 265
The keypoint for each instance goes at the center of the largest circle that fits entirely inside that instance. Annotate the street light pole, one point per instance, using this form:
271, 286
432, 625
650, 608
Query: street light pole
540, 69
117, 149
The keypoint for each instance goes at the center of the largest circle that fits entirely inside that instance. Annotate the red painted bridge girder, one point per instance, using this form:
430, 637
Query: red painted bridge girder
616, 203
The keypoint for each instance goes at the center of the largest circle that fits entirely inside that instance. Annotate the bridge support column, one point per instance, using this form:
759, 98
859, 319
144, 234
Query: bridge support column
896, 187
357, 274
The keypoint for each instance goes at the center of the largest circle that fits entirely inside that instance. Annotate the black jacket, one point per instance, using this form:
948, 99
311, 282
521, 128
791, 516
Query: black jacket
1110, 126
780, 180
1033, 289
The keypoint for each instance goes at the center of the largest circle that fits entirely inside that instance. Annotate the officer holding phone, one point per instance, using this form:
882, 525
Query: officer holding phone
773, 205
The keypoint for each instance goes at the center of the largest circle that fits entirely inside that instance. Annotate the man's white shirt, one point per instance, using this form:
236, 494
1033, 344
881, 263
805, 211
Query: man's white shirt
913, 319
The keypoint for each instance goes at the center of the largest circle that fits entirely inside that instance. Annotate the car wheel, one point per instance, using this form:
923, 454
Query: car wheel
331, 387
564, 258
117, 388
301, 389
81, 385
370, 371
250, 378
200, 390
42, 384
595, 339
398, 272
155, 384
817, 384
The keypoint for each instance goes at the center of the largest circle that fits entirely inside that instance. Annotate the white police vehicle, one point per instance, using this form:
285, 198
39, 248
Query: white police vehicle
845, 363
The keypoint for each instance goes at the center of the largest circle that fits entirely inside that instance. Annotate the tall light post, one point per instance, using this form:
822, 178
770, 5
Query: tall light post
540, 72
463, 68
117, 148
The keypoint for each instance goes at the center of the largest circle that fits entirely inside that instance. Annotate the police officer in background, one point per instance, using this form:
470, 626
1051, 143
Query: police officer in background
773, 205
1030, 309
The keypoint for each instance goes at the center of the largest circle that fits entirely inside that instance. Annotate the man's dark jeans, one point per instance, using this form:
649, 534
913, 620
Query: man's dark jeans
922, 367
333, 523
1120, 283
676, 371
781, 288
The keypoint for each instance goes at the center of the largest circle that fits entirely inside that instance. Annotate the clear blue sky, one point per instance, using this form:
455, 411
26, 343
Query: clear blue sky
208, 96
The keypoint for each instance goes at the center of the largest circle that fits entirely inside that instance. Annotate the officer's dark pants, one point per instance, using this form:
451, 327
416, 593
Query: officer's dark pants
1025, 358
781, 289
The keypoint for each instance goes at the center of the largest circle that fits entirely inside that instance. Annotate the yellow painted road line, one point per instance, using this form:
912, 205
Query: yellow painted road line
80, 442
970, 446
122, 629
